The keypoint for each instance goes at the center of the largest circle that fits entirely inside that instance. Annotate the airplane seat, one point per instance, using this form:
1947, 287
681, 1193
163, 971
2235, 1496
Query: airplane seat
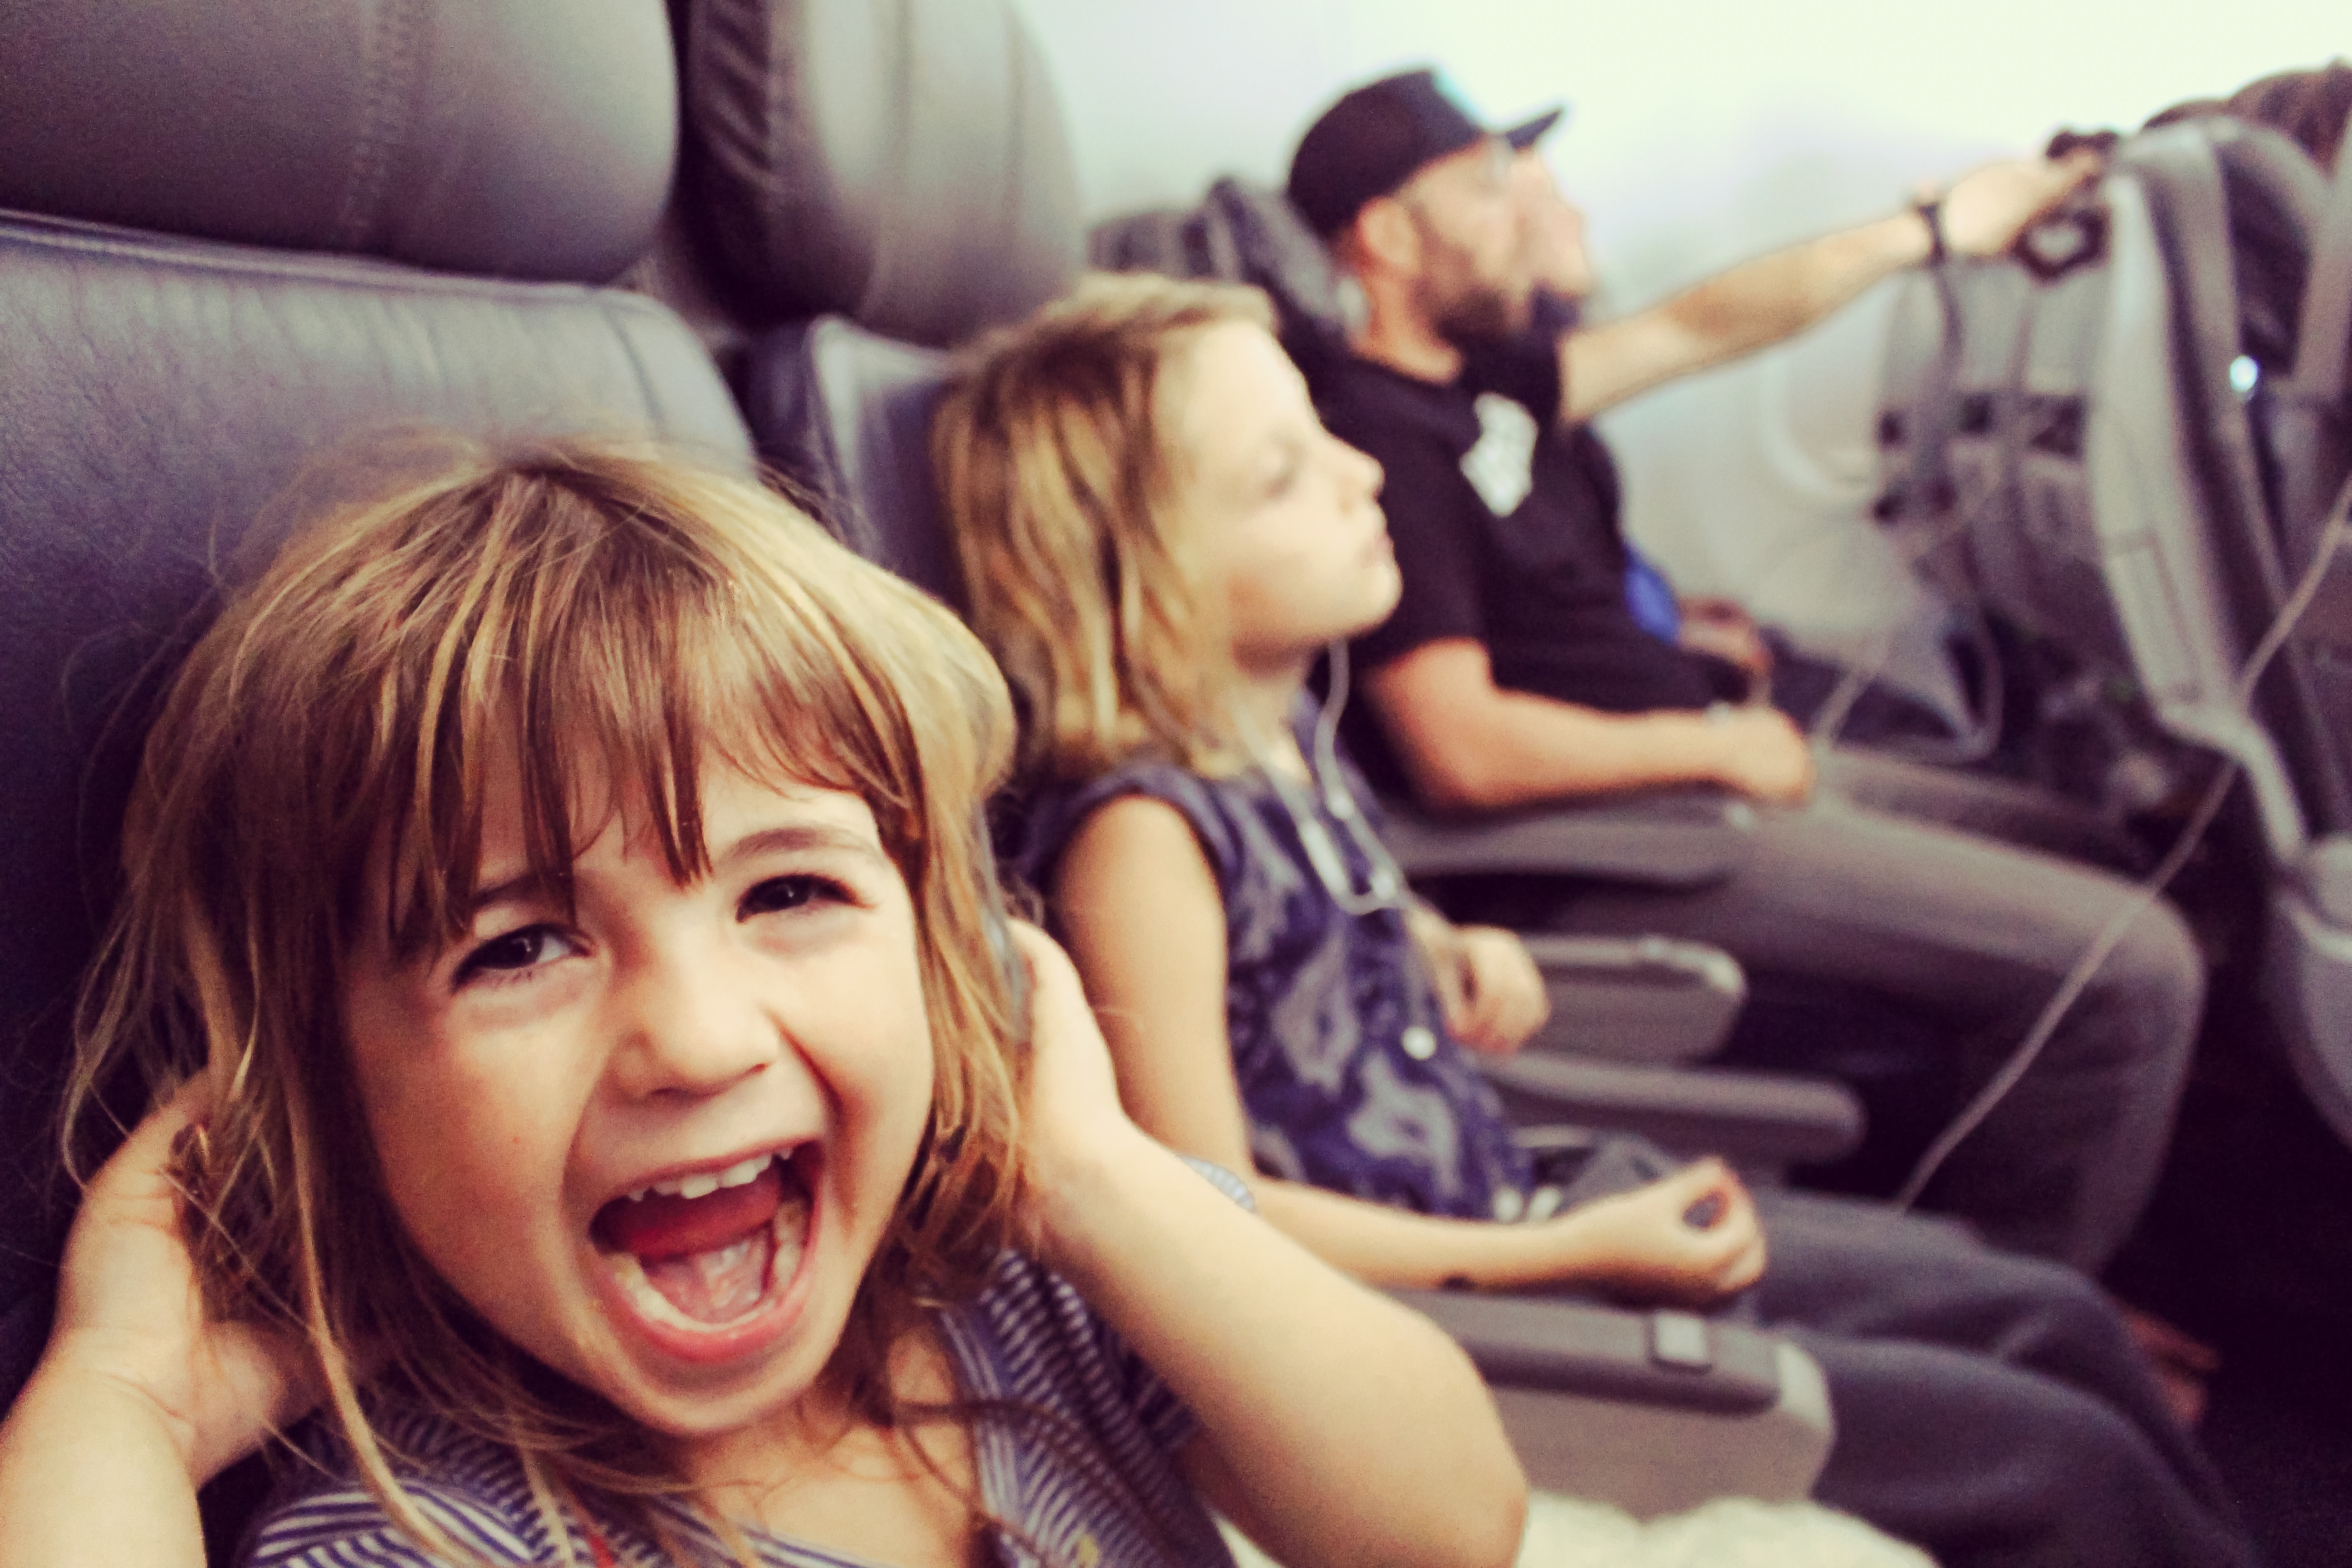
841, 406
2131, 462
235, 238
905, 164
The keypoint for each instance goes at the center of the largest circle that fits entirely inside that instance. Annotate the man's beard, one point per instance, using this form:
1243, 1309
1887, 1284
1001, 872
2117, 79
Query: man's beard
1477, 316
1467, 310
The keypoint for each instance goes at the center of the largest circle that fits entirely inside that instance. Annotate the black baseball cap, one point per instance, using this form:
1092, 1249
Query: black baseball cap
1376, 137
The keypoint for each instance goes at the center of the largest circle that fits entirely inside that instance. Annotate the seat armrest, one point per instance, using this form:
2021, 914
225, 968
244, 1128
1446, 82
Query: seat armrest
1609, 1405
1636, 999
1662, 838
1569, 1347
1767, 1119
1654, 960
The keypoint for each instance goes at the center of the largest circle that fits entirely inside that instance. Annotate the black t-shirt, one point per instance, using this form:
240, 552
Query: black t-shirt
1505, 528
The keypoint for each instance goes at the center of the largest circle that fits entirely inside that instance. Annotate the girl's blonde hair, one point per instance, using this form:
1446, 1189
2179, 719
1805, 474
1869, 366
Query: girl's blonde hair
321, 761
1052, 456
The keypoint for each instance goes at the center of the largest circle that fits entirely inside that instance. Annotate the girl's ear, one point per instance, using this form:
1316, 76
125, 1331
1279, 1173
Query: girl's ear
1385, 233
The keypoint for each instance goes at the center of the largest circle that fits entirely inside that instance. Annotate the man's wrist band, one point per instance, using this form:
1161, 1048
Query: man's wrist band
1931, 213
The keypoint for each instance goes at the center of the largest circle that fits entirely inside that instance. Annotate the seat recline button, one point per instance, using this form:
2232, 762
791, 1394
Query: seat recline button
1680, 1340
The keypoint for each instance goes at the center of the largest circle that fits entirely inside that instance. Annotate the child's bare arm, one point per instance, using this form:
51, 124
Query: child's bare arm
1336, 1427
1154, 965
136, 1399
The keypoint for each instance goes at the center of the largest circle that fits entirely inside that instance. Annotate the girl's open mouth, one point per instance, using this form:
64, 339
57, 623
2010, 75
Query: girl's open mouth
706, 1262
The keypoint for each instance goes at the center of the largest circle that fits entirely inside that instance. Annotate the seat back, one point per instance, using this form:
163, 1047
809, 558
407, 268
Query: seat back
902, 162
846, 414
1240, 233
2084, 457
157, 390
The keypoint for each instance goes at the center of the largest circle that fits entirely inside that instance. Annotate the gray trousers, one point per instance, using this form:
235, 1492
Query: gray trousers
1990, 1408
1871, 890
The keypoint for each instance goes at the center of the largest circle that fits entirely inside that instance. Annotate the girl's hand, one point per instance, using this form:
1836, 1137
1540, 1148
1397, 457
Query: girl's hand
1647, 1244
131, 1321
1073, 1119
1499, 998
1336, 1427
1489, 990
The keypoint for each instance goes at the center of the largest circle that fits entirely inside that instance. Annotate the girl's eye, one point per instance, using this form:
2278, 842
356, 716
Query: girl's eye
517, 951
780, 894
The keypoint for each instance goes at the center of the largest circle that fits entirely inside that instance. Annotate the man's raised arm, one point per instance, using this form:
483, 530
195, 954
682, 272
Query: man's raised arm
1760, 302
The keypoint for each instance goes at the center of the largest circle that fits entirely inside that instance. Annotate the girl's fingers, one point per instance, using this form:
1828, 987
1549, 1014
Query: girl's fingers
1454, 997
1710, 1177
148, 1151
1745, 1267
1483, 1007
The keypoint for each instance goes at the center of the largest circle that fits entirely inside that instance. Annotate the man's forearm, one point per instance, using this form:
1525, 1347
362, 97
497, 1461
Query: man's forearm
1523, 749
1735, 312
1775, 296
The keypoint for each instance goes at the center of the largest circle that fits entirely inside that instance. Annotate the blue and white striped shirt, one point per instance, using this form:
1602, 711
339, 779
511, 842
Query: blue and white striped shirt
1027, 1340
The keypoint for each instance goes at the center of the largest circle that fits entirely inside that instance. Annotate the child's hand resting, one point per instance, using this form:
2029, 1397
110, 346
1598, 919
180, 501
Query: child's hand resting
1640, 1244
1493, 996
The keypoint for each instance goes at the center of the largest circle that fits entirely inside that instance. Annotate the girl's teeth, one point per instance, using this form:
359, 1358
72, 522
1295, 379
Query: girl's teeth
789, 1231
743, 1173
740, 1174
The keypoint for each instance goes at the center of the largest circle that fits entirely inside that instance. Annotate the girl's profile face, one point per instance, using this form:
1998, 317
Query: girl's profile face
1286, 516
655, 1143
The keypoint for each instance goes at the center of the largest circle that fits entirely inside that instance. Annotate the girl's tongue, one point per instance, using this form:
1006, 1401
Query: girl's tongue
709, 1257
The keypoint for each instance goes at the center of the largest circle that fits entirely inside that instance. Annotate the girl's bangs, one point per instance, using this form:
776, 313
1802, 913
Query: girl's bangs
603, 667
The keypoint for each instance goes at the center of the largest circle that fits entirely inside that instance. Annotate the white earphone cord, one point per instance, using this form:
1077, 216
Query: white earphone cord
1386, 890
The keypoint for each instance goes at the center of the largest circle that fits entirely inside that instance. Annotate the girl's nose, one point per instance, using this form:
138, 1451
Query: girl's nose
689, 1025
1362, 471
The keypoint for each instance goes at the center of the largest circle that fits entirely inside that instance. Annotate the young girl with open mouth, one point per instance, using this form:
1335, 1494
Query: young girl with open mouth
559, 888
1160, 540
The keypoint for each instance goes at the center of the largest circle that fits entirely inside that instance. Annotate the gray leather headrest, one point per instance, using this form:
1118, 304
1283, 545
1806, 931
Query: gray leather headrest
847, 416
490, 136
900, 162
